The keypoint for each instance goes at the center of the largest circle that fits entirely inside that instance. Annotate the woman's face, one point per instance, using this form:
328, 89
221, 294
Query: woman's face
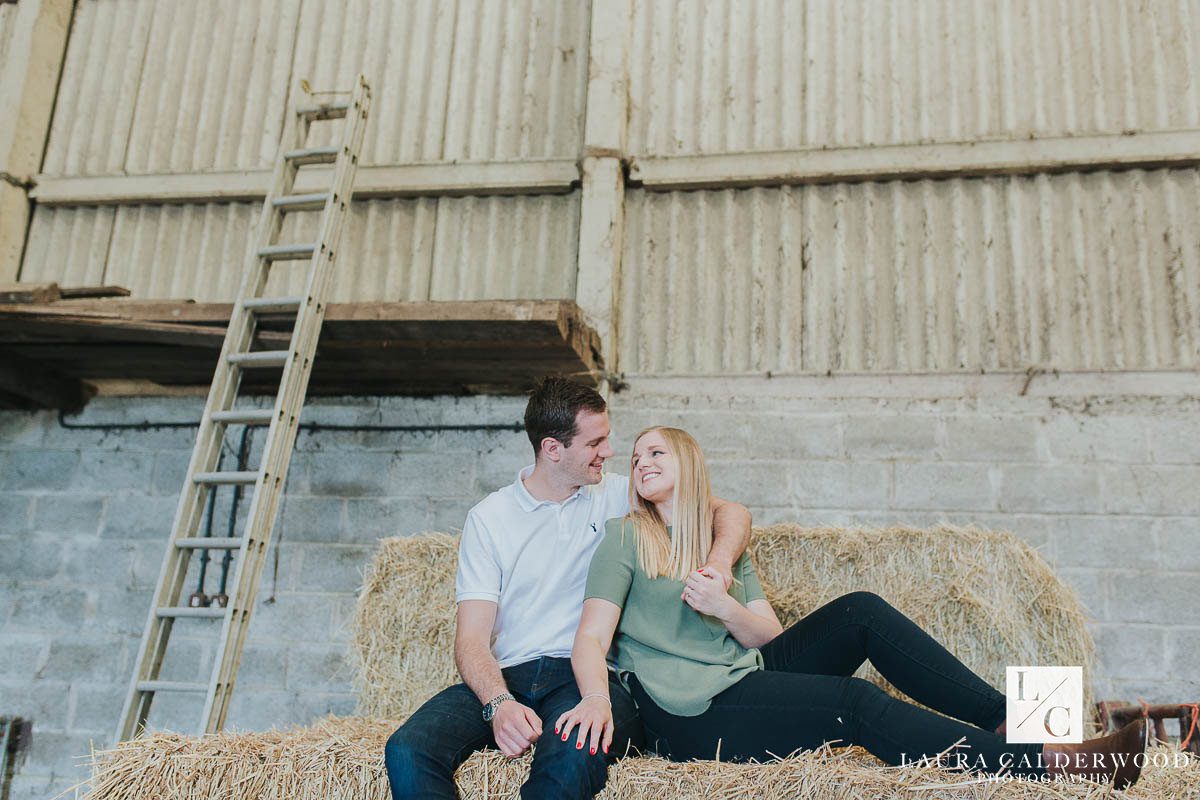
653, 468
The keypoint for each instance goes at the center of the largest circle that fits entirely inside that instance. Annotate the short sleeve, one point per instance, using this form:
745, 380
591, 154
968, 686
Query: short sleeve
611, 571
479, 572
749, 578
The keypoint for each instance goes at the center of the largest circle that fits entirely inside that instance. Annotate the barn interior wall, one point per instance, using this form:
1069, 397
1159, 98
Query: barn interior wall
1098, 476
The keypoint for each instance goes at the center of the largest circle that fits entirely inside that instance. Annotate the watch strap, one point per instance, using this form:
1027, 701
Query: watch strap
489, 710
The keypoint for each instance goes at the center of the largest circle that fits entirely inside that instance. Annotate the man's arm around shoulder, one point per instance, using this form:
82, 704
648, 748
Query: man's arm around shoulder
731, 535
514, 726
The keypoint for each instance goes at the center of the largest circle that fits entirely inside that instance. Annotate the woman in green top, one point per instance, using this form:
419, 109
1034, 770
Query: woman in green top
715, 675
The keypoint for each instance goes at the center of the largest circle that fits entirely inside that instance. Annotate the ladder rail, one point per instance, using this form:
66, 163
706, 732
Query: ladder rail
278, 449
210, 435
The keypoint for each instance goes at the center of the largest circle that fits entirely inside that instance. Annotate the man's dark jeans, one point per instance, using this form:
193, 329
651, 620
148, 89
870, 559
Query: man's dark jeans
422, 755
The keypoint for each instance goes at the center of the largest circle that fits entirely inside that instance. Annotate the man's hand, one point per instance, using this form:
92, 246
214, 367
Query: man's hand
515, 727
707, 594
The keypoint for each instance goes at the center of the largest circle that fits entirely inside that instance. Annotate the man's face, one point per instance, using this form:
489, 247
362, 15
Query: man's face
583, 462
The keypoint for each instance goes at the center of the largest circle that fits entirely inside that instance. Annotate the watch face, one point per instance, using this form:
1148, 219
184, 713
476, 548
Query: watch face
488, 712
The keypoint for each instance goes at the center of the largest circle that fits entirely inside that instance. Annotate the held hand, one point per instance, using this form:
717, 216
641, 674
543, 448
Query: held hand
515, 727
720, 570
705, 592
594, 717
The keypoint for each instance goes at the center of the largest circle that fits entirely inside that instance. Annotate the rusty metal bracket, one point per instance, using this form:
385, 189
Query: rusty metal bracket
1116, 713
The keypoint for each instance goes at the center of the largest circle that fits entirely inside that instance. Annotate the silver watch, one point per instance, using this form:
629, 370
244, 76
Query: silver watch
489, 710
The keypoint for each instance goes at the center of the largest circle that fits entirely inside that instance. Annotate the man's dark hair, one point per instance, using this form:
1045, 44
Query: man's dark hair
553, 405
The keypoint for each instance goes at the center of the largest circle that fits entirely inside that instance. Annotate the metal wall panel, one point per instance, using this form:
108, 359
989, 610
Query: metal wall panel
470, 80
506, 248
393, 250
197, 85
99, 84
214, 85
67, 246
8, 17
1099, 270
777, 74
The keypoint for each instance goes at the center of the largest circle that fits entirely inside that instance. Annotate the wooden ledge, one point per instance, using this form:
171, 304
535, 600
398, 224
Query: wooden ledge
422, 348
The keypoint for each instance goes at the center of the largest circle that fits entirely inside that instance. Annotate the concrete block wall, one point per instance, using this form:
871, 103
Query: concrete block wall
1103, 482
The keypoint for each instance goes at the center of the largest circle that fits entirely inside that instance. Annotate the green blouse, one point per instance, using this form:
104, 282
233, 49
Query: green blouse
681, 657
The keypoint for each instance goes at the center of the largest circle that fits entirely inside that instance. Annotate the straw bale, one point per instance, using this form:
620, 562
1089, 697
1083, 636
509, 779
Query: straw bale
341, 759
404, 624
988, 596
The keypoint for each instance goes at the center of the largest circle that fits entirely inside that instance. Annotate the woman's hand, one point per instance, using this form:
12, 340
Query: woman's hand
594, 717
705, 591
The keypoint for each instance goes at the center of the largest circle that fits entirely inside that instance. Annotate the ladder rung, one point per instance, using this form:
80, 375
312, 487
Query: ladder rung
334, 110
209, 612
226, 477
301, 202
209, 543
287, 252
313, 155
260, 358
171, 686
273, 305
250, 416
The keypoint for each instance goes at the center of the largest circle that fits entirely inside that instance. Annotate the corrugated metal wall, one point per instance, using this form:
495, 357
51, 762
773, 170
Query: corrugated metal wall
198, 85
1077, 271
414, 249
779, 74
193, 86
8, 13
1081, 271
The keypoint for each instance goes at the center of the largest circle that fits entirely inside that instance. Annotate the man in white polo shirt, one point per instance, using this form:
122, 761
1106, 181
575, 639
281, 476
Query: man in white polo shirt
523, 562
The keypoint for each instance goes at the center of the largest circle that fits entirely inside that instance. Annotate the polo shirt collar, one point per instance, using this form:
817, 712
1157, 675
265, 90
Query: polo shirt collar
529, 502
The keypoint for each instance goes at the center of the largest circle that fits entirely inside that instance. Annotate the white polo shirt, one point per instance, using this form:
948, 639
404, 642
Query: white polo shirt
531, 558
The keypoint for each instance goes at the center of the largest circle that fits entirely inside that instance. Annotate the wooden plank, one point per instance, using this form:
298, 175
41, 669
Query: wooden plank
548, 176
425, 311
452, 320
29, 292
375, 348
918, 161
82, 292
18, 327
40, 386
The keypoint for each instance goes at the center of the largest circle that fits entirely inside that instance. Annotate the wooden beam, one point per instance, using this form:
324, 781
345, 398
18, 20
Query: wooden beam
86, 292
431, 311
550, 176
40, 386
365, 348
602, 201
29, 292
29, 70
919, 161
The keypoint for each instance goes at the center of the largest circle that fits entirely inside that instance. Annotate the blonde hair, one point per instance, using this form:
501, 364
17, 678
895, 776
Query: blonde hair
685, 547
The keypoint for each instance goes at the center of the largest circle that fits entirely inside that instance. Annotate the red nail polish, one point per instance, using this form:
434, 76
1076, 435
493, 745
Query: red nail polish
556, 730
579, 745
564, 737
606, 749
593, 751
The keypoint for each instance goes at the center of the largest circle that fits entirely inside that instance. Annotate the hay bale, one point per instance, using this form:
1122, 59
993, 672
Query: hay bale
403, 625
989, 597
342, 759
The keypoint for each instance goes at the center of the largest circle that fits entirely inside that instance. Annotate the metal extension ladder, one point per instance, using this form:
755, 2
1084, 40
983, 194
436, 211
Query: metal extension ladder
221, 409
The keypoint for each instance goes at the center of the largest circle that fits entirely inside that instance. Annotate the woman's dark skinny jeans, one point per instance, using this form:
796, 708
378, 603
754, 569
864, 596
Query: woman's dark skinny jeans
806, 697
